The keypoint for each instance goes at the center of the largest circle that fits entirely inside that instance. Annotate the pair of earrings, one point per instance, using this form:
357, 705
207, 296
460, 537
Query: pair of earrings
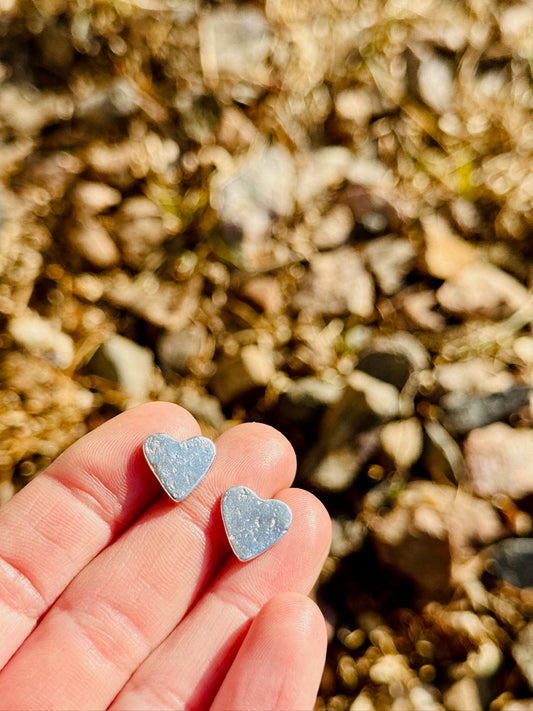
252, 524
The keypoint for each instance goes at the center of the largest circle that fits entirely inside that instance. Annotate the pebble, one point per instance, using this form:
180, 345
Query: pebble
436, 83
390, 259
93, 243
175, 349
476, 375
252, 368
403, 441
481, 289
140, 228
465, 412
334, 229
42, 337
463, 695
337, 283
446, 254
265, 291
307, 398
125, 363
419, 305
512, 560
523, 653
429, 527
236, 43
499, 460
90, 197
248, 194
442, 454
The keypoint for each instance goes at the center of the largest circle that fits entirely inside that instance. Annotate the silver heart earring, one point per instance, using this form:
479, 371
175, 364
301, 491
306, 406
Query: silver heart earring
253, 524
179, 465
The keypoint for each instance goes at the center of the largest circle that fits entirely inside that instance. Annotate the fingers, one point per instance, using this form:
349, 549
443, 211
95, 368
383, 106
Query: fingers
132, 595
63, 518
202, 648
280, 661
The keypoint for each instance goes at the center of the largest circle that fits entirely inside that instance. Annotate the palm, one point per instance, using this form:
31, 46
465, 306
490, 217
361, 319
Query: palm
112, 596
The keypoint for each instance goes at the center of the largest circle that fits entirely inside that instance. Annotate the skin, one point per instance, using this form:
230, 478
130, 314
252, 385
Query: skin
113, 596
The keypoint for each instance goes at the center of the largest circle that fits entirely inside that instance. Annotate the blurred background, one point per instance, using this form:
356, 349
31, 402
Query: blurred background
316, 215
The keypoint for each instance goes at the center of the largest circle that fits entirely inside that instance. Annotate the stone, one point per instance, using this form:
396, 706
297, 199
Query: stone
248, 194
90, 197
462, 695
518, 705
499, 460
252, 368
334, 228
140, 228
235, 43
265, 292
446, 254
125, 363
336, 284
522, 650
478, 375
42, 337
512, 560
102, 107
206, 408
403, 441
390, 259
481, 289
429, 528
179, 465
465, 412
419, 305
436, 83
307, 398
175, 349
93, 243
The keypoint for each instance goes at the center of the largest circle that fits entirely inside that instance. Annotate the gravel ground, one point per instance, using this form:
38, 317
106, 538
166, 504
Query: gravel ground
315, 215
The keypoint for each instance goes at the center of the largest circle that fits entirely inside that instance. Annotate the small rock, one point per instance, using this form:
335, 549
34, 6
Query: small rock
105, 105
403, 441
264, 291
446, 254
334, 229
140, 228
394, 358
235, 43
336, 284
518, 705
43, 338
175, 349
91, 198
476, 375
248, 194
252, 368
307, 398
125, 363
206, 408
512, 560
390, 260
463, 413
93, 243
429, 528
463, 695
419, 306
482, 289
364, 403
436, 83
523, 653
499, 460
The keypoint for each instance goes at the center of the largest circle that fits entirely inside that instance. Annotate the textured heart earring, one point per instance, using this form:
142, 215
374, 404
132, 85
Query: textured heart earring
253, 524
178, 465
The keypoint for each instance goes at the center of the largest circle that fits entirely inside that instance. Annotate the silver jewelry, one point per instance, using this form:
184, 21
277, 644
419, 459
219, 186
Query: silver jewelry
253, 524
178, 465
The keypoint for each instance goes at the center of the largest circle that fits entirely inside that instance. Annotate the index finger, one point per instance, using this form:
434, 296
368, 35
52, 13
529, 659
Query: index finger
69, 513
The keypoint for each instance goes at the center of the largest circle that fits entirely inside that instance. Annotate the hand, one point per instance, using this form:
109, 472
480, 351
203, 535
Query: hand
112, 595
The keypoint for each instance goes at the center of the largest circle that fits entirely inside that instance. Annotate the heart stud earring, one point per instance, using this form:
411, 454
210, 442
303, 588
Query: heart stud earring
253, 524
178, 465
